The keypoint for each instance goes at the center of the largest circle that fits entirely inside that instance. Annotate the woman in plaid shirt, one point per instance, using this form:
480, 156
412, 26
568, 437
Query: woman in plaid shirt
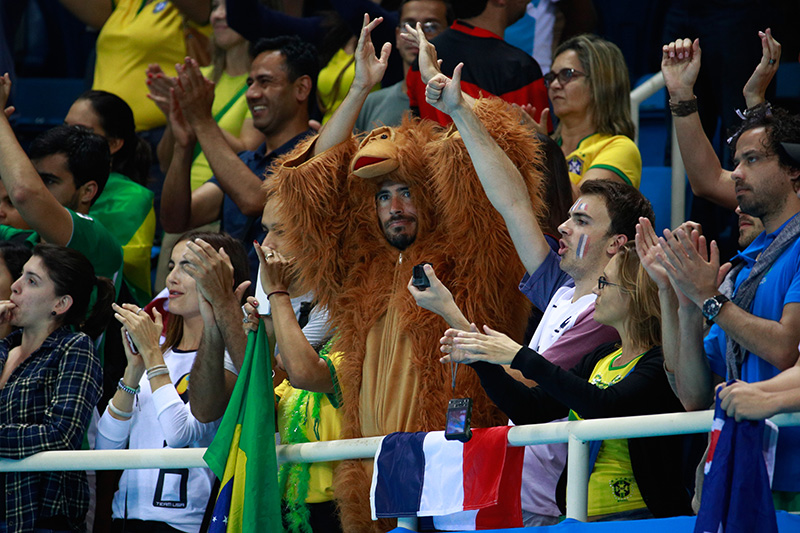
50, 381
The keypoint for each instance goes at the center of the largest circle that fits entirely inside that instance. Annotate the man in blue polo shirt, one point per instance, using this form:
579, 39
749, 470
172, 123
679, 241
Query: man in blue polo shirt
756, 311
281, 83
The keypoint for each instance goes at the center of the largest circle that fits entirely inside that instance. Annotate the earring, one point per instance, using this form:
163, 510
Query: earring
53, 313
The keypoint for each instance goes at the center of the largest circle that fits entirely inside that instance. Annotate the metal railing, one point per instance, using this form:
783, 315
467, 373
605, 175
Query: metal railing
678, 201
576, 433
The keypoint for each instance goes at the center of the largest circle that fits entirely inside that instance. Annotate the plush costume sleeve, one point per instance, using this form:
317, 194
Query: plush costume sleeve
621, 156
644, 391
319, 213
67, 417
477, 239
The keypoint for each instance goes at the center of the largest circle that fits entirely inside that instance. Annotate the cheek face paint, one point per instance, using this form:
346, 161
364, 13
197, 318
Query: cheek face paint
581, 250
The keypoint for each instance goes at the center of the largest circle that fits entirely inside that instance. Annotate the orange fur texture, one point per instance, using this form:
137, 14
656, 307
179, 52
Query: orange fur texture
333, 233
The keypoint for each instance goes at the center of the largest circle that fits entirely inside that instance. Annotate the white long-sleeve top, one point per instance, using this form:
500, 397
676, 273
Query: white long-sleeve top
162, 419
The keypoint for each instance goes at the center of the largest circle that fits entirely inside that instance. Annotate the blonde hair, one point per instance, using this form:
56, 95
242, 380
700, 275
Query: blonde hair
644, 312
603, 63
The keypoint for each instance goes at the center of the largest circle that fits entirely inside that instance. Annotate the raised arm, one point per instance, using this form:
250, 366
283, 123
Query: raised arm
25, 187
305, 368
222, 329
500, 178
755, 89
369, 72
680, 64
253, 21
196, 96
697, 274
93, 13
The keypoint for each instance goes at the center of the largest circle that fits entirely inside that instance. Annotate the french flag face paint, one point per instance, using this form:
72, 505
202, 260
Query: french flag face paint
581, 250
578, 206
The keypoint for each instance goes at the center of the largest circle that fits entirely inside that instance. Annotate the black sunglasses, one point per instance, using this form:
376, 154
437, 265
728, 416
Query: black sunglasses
565, 75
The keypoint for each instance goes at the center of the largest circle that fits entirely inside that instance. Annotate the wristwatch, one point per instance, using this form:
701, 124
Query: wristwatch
711, 307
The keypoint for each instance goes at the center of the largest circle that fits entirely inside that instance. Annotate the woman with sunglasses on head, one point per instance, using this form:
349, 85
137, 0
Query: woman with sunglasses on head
589, 90
637, 478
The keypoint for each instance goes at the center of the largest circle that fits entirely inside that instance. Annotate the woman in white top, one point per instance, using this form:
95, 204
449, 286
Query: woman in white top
150, 408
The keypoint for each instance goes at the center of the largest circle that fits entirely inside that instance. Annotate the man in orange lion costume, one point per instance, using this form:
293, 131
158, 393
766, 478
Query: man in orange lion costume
431, 208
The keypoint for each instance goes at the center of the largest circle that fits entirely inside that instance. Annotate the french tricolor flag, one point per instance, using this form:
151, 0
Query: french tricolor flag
464, 486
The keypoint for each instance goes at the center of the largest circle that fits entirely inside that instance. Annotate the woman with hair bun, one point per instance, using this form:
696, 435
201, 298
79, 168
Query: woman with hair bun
125, 207
50, 381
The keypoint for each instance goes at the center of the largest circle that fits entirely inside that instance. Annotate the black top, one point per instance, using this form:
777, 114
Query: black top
658, 462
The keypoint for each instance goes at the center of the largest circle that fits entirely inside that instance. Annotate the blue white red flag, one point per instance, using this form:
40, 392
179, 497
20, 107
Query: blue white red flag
464, 486
736, 491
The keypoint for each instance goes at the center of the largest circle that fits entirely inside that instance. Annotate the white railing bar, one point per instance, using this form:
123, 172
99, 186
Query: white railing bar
678, 201
576, 433
577, 478
647, 89
312, 452
678, 196
642, 93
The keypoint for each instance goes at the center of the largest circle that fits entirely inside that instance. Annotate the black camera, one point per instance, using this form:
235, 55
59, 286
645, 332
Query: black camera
420, 279
459, 414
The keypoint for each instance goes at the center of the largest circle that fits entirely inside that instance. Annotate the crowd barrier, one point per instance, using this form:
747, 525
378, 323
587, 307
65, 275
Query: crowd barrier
576, 433
678, 200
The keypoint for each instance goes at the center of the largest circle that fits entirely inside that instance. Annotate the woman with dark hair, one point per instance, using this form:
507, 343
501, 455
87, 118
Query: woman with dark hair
157, 374
50, 381
557, 189
108, 115
13, 256
637, 478
125, 207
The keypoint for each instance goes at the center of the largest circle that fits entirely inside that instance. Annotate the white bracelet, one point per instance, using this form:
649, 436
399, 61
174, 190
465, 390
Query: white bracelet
122, 414
156, 371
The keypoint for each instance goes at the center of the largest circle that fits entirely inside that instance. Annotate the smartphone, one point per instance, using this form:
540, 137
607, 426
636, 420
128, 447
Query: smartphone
459, 414
131, 344
420, 280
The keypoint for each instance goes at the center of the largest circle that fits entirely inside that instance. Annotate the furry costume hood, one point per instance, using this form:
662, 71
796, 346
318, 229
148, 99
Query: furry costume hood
327, 204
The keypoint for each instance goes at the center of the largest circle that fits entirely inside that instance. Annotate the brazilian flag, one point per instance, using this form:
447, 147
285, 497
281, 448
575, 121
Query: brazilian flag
242, 454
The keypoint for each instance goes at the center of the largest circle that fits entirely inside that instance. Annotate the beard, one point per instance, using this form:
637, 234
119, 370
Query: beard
403, 239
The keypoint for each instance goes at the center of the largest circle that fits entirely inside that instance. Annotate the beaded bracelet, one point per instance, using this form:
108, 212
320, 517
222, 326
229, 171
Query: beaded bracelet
684, 108
158, 370
122, 414
121, 386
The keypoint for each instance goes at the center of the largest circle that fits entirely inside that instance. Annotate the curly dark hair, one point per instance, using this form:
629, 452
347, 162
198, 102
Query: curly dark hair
780, 125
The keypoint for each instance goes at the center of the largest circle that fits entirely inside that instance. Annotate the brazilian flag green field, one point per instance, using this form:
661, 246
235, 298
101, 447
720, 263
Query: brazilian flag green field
242, 454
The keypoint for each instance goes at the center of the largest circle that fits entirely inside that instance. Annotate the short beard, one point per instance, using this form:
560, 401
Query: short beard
401, 241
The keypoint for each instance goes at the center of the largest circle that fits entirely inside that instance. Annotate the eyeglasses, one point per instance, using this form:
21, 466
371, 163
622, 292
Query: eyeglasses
602, 283
565, 75
428, 28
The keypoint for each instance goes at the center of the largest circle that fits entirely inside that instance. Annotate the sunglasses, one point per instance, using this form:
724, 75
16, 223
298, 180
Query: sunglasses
602, 283
565, 75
